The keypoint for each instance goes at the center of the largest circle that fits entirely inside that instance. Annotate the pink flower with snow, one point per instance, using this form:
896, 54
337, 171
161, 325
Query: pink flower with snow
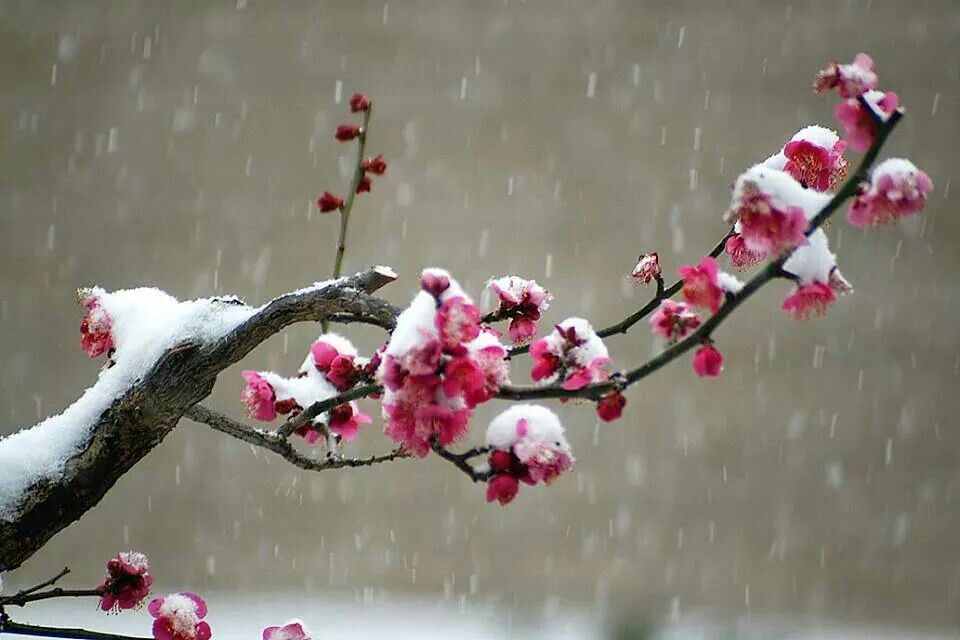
127, 582
674, 320
742, 256
544, 460
523, 301
334, 357
293, 630
814, 297
545, 362
595, 371
259, 397
462, 376
647, 269
447, 424
897, 190
775, 232
700, 285
850, 80
859, 126
345, 421
458, 321
179, 616
707, 362
610, 406
815, 166
95, 336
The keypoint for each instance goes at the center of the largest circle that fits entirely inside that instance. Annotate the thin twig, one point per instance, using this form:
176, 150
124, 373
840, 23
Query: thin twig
9, 626
662, 294
459, 460
273, 442
347, 207
26, 592
23, 600
303, 418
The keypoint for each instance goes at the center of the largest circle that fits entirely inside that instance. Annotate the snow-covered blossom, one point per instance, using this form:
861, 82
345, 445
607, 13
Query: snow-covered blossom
813, 157
700, 285
376, 165
329, 202
647, 269
610, 406
572, 353
528, 446
897, 190
850, 80
259, 397
741, 256
359, 102
345, 420
346, 132
179, 616
674, 320
293, 630
95, 328
707, 362
818, 280
335, 358
438, 365
127, 582
523, 301
859, 126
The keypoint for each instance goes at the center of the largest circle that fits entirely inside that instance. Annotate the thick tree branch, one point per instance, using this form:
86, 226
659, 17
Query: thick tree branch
140, 419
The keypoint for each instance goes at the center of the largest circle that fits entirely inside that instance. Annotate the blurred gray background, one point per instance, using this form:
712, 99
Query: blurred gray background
181, 144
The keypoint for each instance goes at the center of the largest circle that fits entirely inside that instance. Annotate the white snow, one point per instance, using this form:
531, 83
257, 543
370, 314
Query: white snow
415, 324
782, 189
729, 282
896, 168
146, 323
812, 262
542, 425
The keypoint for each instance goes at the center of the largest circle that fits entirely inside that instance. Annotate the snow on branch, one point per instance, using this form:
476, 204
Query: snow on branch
164, 357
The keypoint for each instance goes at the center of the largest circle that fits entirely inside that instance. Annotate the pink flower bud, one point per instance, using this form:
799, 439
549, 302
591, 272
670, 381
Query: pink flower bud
359, 102
346, 132
707, 362
329, 202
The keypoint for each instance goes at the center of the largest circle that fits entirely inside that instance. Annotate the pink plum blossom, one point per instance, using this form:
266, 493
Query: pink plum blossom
502, 488
742, 256
814, 297
334, 357
647, 269
259, 397
897, 190
850, 80
523, 301
700, 285
674, 320
179, 616
458, 321
127, 582
95, 336
345, 420
707, 362
293, 630
764, 227
572, 350
815, 166
610, 406
859, 126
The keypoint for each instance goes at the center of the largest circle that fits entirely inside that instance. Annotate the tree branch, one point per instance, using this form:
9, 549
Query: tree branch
9, 626
139, 419
460, 460
280, 445
772, 271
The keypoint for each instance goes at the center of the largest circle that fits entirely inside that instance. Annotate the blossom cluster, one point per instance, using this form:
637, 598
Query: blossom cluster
328, 201
523, 301
439, 364
527, 445
331, 367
